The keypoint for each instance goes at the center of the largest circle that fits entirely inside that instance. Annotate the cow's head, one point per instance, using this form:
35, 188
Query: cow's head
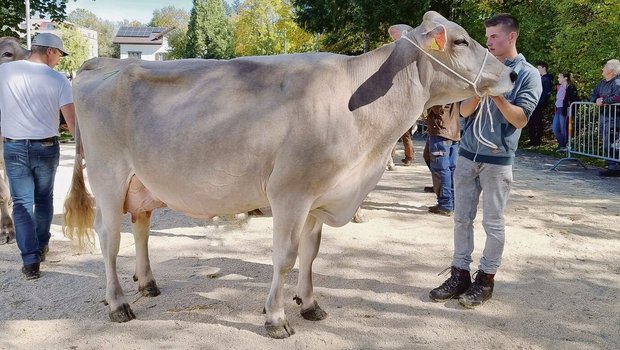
451, 46
11, 50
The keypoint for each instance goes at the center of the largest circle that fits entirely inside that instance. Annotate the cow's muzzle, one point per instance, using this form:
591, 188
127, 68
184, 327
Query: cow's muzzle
513, 76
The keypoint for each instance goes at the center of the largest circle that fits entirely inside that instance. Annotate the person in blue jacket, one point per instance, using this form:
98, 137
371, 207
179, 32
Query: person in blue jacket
484, 166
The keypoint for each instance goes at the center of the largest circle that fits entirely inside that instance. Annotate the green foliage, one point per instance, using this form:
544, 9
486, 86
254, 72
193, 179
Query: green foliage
209, 33
12, 13
569, 35
267, 27
589, 36
105, 31
77, 46
172, 17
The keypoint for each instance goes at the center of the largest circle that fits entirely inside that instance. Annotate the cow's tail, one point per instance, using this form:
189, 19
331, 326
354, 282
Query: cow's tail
79, 211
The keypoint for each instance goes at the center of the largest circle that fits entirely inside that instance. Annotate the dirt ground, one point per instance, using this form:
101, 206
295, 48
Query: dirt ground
558, 287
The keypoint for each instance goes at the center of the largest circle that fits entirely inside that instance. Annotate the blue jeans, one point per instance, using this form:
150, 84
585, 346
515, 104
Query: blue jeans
560, 128
31, 168
493, 182
443, 154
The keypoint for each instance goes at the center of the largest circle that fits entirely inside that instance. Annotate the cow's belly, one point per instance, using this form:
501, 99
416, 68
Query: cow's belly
197, 196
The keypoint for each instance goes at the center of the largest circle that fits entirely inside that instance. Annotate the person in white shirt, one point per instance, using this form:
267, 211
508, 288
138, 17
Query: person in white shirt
32, 95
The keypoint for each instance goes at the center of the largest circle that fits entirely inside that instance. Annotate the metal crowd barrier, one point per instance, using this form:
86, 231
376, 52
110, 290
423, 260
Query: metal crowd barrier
593, 131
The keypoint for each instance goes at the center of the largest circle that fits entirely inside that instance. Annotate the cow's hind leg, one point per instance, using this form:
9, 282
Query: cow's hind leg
288, 221
108, 227
310, 241
143, 275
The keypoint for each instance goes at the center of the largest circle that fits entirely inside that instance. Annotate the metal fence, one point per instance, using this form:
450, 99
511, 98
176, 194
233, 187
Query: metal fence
593, 131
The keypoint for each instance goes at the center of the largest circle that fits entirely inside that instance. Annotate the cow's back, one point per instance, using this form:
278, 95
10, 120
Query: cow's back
209, 119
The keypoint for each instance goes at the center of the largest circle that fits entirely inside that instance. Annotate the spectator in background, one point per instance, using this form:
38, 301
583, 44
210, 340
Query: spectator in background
607, 92
536, 124
408, 147
566, 94
444, 134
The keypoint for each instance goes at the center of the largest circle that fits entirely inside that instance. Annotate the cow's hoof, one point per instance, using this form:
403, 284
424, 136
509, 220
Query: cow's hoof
4, 238
150, 290
123, 314
280, 331
358, 217
315, 313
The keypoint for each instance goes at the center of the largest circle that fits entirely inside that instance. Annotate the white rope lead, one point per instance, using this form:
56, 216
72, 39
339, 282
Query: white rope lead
484, 98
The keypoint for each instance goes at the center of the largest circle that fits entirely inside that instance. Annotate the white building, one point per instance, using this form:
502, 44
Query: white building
48, 26
146, 43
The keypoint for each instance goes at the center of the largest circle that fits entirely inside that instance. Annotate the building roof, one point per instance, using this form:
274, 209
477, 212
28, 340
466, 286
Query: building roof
141, 35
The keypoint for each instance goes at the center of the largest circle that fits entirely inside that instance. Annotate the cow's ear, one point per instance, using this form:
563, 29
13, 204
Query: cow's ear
378, 84
436, 38
396, 31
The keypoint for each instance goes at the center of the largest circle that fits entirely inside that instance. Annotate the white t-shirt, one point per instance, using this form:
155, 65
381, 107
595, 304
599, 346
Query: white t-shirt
31, 95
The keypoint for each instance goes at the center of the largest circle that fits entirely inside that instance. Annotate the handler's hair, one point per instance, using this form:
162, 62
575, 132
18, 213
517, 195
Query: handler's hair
615, 66
507, 20
39, 50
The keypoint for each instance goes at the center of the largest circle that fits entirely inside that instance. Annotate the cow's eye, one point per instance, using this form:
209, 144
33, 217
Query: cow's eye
461, 42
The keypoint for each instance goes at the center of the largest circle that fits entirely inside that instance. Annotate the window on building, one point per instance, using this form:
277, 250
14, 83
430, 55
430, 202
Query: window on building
134, 54
160, 56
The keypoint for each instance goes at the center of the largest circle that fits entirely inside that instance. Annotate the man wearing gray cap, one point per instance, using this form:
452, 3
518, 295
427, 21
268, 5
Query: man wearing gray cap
31, 96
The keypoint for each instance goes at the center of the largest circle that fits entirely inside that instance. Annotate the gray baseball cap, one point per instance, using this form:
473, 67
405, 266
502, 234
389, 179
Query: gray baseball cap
49, 40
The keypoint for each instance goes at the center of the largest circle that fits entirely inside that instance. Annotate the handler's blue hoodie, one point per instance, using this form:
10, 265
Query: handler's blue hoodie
525, 94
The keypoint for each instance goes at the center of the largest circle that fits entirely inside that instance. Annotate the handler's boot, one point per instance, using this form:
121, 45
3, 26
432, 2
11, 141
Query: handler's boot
457, 284
479, 291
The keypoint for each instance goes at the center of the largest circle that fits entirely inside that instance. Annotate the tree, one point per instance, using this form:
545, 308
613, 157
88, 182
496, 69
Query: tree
12, 13
356, 26
266, 27
209, 33
172, 17
105, 31
586, 37
77, 46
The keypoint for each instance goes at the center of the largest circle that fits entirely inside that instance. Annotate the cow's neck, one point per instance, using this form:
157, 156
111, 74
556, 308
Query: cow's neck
390, 116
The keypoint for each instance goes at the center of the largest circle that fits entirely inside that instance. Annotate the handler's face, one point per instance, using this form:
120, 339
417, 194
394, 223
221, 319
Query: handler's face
498, 40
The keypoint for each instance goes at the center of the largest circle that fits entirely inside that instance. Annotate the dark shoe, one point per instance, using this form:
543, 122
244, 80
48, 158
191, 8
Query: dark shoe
31, 271
43, 253
429, 189
436, 209
609, 173
479, 291
407, 162
457, 284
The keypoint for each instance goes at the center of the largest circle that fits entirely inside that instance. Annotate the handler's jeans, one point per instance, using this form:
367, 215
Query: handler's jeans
31, 168
494, 181
443, 154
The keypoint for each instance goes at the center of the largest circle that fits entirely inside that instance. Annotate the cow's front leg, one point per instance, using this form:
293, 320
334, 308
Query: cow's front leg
288, 221
7, 231
310, 241
108, 227
146, 283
